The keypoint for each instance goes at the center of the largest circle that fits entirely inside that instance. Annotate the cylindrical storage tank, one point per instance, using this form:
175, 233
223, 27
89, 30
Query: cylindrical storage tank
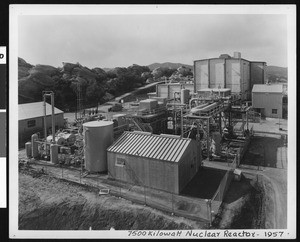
98, 136
54, 153
34, 146
216, 143
185, 96
58, 140
28, 149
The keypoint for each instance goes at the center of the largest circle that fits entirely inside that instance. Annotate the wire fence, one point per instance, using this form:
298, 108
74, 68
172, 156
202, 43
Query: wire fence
188, 207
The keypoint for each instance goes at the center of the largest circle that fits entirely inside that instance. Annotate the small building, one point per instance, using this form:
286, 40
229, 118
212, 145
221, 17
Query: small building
31, 119
235, 73
267, 99
164, 162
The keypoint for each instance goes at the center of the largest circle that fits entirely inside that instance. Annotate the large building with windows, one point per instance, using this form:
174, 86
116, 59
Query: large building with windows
268, 100
31, 119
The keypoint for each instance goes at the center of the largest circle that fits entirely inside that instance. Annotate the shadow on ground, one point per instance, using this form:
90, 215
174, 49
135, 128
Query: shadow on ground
204, 184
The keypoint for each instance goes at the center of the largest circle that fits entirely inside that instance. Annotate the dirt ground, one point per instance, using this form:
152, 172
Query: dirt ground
47, 203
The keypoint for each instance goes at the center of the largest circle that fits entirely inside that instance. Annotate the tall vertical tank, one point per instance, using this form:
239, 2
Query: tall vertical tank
98, 135
185, 95
216, 143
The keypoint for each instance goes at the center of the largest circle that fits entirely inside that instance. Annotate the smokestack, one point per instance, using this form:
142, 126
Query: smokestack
237, 55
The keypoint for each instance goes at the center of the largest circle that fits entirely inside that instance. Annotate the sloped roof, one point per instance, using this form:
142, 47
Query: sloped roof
149, 145
276, 88
34, 110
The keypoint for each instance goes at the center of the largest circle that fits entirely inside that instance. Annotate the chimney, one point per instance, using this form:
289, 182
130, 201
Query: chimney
237, 55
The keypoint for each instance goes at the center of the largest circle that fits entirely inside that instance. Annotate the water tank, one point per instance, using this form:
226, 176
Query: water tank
28, 149
98, 135
34, 146
185, 96
237, 55
54, 153
216, 143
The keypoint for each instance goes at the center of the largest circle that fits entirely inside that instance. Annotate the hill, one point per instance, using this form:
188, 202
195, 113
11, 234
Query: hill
95, 85
276, 74
168, 65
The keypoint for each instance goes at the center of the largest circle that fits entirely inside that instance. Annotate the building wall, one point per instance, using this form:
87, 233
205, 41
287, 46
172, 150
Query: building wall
224, 73
201, 74
257, 73
245, 79
168, 90
267, 102
188, 166
233, 75
216, 73
152, 173
25, 132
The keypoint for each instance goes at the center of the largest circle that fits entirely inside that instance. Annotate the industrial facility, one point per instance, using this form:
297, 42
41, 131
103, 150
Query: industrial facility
161, 142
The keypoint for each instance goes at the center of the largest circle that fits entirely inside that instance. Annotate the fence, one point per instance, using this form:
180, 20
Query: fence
217, 198
188, 207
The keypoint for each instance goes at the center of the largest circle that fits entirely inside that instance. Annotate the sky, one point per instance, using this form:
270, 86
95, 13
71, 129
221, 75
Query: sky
108, 41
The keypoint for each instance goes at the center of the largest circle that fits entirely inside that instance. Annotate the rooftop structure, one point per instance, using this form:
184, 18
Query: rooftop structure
36, 109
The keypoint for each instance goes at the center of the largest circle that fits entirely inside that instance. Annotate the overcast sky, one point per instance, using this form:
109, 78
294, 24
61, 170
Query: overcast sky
123, 40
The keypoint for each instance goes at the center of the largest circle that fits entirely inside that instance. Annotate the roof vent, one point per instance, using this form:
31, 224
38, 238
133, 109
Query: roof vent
225, 56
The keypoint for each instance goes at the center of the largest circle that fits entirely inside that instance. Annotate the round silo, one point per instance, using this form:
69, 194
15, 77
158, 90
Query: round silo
216, 143
98, 135
34, 146
185, 96
28, 149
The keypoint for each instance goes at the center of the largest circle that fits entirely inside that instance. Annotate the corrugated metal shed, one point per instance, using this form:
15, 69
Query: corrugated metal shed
34, 110
276, 88
160, 147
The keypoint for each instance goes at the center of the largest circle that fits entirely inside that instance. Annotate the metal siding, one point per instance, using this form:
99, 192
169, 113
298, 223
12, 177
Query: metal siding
268, 102
201, 74
233, 75
169, 149
151, 146
217, 73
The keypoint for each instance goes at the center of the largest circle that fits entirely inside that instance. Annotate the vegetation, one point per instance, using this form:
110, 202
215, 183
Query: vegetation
95, 85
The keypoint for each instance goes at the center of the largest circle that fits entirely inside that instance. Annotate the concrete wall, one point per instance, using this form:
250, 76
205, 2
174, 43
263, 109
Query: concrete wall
217, 73
267, 102
25, 132
233, 75
168, 90
152, 173
201, 74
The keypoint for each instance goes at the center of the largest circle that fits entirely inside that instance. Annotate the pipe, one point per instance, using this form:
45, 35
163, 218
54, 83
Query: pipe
45, 122
53, 118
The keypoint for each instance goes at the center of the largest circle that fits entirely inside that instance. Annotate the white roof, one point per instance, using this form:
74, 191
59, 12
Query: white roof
273, 88
34, 110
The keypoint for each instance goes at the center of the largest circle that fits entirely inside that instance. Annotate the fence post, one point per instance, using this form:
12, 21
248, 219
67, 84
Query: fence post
208, 202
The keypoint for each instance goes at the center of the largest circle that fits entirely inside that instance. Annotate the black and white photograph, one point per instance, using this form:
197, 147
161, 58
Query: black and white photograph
152, 121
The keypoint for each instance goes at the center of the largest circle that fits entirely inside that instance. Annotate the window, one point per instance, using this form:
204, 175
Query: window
120, 162
31, 123
274, 111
